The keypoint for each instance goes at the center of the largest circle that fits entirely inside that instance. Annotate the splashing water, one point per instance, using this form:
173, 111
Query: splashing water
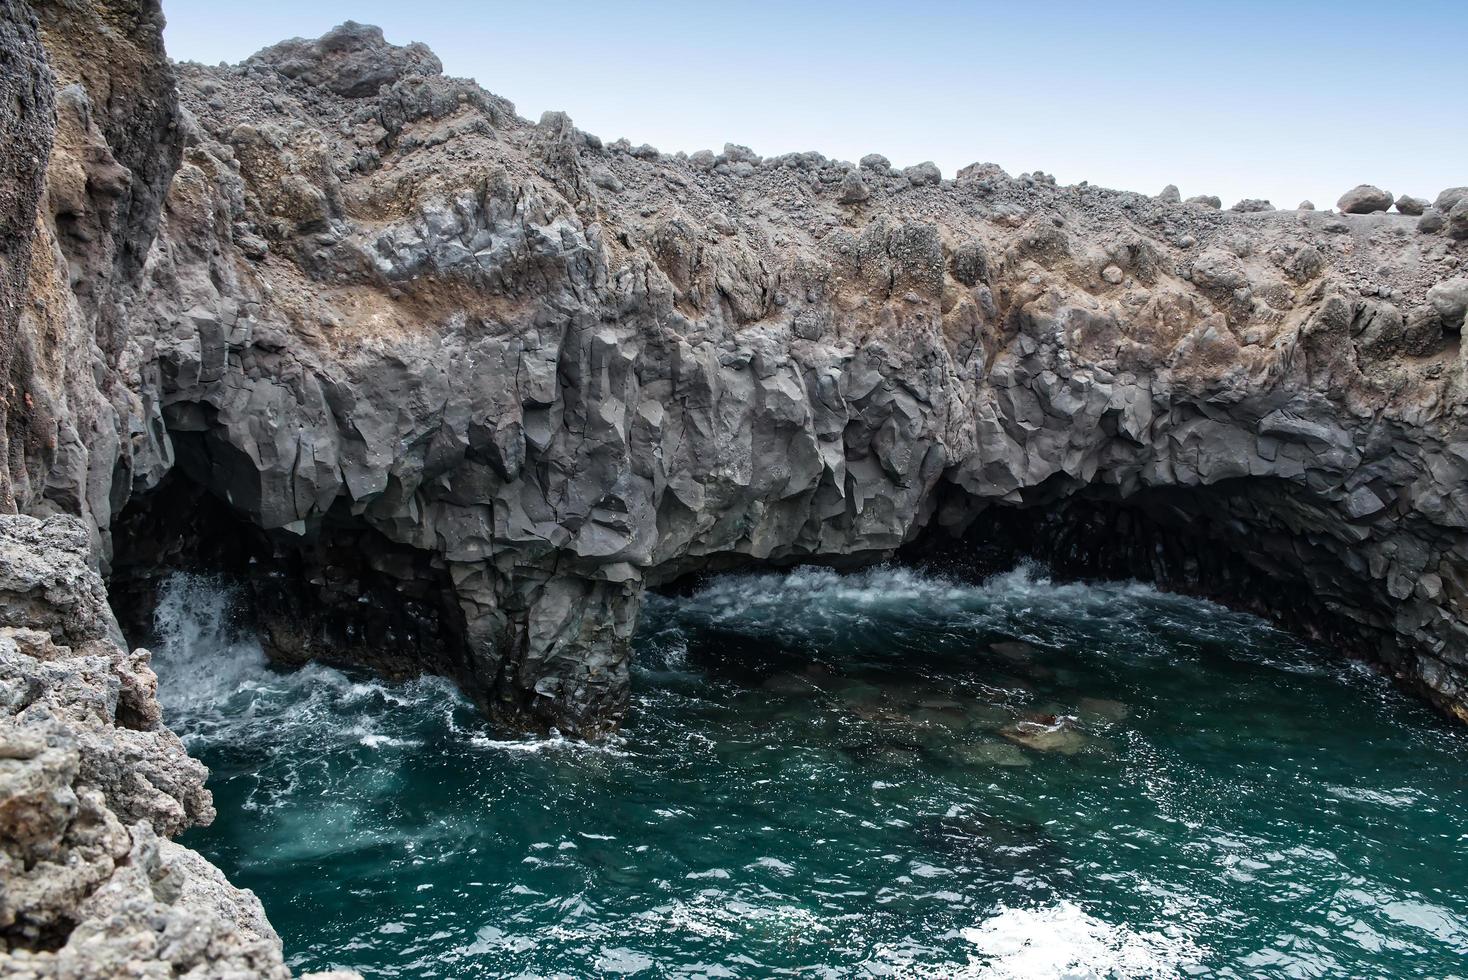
878, 774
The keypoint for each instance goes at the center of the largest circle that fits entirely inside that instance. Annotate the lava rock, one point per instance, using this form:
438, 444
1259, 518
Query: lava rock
923, 174
1449, 198
1450, 299
853, 190
1411, 205
1458, 220
1364, 199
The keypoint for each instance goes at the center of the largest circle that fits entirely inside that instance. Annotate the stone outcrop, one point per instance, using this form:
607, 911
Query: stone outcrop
92, 785
541, 374
479, 382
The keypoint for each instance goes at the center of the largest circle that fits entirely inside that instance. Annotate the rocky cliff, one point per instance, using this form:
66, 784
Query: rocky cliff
461, 386
478, 382
451, 389
92, 785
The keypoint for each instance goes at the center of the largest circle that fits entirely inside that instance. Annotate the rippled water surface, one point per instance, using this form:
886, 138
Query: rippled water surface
875, 775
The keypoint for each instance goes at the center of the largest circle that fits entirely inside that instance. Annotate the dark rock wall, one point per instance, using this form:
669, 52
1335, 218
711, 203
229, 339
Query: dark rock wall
562, 372
111, 109
537, 373
27, 123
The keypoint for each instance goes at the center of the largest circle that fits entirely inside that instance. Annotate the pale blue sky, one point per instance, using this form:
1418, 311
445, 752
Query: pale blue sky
1281, 100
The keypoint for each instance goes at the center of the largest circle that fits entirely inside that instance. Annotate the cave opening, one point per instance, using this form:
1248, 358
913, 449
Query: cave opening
343, 594
339, 593
1251, 544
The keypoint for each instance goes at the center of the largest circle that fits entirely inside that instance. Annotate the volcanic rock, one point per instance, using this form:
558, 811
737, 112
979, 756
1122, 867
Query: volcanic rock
1364, 199
1411, 205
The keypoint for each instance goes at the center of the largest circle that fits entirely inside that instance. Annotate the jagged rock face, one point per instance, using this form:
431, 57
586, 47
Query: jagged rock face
560, 372
92, 784
28, 123
548, 374
107, 116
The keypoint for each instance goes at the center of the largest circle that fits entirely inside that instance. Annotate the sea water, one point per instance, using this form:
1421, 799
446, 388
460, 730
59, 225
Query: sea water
885, 774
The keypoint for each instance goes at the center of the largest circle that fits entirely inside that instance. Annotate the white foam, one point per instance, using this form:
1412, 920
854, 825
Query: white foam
1063, 941
218, 688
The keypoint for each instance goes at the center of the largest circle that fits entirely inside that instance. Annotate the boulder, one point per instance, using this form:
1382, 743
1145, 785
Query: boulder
1251, 205
1411, 205
854, 189
352, 60
1364, 199
1306, 206
1450, 299
1458, 220
1206, 200
1450, 197
1170, 195
925, 174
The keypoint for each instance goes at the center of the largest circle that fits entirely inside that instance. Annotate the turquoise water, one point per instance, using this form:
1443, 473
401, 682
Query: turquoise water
831, 776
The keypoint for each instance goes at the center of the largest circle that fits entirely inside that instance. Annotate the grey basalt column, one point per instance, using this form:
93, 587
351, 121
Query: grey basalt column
549, 651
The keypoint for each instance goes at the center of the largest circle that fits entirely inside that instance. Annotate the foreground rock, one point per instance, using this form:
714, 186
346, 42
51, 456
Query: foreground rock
453, 388
91, 787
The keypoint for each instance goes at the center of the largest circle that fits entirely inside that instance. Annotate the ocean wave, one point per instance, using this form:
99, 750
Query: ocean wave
1063, 941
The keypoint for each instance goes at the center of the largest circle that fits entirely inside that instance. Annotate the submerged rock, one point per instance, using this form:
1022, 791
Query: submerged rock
1046, 733
790, 684
1017, 651
992, 754
1101, 711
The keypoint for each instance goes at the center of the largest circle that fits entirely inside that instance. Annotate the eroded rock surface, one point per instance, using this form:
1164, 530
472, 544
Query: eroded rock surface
555, 372
92, 785
513, 376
